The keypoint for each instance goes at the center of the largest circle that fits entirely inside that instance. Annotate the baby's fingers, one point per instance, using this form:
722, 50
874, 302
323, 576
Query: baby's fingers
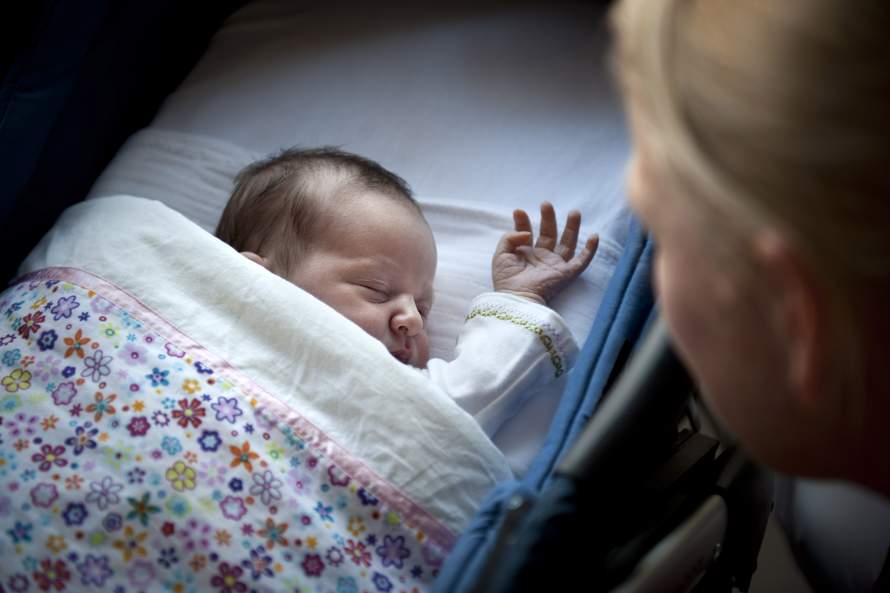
548, 232
569, 240
580, 262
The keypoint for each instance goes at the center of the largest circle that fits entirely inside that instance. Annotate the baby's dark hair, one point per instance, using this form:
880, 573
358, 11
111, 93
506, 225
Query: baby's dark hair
279, 201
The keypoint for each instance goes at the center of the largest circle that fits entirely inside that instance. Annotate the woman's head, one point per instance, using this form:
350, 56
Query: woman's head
762, 170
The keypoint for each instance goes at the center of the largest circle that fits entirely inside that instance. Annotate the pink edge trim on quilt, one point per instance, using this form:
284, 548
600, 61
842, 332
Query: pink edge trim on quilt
307, 431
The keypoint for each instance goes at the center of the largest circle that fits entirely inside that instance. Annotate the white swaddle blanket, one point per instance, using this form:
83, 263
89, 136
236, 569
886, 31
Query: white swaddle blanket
305, 354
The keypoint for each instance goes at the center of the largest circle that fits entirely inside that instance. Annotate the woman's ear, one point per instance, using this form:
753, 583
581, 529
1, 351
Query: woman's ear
257, 259
800, 313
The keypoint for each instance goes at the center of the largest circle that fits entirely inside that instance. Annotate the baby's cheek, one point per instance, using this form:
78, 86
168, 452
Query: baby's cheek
368, 323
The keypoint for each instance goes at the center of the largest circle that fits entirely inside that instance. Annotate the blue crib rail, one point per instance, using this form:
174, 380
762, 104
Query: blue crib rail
622, 316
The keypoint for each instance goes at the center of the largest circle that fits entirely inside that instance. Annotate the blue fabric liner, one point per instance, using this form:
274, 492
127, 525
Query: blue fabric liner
623, 314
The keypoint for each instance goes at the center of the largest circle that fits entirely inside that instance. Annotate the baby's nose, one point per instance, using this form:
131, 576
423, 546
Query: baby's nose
407, 319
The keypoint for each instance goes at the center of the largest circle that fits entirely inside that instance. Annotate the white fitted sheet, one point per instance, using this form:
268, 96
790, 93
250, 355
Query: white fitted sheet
481, 107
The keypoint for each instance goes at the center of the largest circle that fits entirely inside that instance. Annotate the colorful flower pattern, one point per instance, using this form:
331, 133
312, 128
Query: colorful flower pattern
153, 470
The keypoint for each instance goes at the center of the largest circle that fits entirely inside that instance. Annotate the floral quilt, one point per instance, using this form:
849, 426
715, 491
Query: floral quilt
131, 459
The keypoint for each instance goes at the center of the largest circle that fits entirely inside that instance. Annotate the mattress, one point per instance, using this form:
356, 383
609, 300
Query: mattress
481, 107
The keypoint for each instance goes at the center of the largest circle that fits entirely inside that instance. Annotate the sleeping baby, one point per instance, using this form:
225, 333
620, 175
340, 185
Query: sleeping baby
349, 232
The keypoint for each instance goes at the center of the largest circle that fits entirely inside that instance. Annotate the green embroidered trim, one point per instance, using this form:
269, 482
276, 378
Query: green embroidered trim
536, 329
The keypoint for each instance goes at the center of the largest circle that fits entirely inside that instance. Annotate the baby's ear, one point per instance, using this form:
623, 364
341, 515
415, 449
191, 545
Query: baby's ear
257, 259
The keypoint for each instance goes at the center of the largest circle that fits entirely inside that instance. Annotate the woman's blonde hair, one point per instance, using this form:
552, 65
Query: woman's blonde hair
772, 113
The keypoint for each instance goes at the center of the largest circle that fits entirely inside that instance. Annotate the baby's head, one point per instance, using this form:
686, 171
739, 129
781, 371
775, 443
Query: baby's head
347, 231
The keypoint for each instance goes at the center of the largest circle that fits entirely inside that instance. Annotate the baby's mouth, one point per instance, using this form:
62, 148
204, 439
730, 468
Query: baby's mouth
403, 356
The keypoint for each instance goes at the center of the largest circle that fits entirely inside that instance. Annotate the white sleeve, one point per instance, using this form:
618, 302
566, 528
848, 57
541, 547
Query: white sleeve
507, 347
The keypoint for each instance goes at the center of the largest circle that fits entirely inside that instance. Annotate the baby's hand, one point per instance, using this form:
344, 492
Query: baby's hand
539, 272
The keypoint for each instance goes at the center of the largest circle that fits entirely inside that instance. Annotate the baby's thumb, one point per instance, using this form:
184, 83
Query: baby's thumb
512, 240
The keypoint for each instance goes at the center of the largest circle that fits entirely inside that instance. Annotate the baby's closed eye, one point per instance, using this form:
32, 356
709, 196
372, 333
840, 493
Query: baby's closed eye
374, 294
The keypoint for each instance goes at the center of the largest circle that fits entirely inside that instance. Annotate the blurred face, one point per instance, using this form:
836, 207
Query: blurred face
721, 326
375, 265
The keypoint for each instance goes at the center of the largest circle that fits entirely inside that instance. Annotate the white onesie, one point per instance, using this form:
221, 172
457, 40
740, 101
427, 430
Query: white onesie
508, 348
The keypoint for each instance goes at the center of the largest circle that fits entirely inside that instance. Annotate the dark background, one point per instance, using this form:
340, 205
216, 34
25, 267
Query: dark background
78, 77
